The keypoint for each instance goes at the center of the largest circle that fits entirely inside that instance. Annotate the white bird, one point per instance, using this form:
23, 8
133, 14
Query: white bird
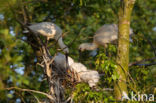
90, 76
78, 67
106, 34
82, 74
51, 31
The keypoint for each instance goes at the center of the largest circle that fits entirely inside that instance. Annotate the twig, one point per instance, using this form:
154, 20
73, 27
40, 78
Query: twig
35, 98
26, 12
141, 61
52, 59
40, 65
150, 64
75, 37
68, 99
29, 90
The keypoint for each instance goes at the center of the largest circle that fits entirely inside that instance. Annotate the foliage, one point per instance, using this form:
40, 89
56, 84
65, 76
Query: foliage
106, 66
80, 19
84, 94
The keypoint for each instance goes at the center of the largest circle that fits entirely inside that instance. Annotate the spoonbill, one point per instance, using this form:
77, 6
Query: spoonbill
82, 74
51, 31
106, 34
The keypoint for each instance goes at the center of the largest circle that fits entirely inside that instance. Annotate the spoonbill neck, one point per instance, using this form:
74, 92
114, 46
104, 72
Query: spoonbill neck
62, 45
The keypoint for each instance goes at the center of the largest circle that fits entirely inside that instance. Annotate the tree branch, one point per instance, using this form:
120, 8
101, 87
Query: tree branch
141, 61
150, 64
29, 90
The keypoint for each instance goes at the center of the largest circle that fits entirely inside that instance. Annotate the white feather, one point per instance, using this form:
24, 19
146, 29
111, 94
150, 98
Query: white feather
83, 74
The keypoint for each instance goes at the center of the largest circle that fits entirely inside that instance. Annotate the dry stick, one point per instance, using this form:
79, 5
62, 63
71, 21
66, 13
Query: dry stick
51, 61
45, 57
35, 98
68, 99
26, 12
48, 71
40, 42
29, 90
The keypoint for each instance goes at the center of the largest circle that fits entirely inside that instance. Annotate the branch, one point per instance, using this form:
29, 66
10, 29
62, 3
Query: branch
29, 90
35, 98
141, 61
51, 61
26, 12
150, 64
75, 37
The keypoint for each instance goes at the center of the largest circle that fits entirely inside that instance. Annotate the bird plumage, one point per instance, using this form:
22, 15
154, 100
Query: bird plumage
47, 29
60, 60
106, 34
82, 73
51, 31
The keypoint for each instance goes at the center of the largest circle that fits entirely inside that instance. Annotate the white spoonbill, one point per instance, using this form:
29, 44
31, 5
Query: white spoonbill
105, 34
51, 31
82, 74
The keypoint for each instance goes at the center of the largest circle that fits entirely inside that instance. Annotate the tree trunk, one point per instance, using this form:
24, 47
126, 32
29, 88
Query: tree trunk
123, 47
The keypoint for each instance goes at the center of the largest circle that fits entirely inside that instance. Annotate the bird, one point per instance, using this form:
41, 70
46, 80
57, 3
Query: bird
106, 34
90, 76
49, 30
82, 74
85, 75
60, 60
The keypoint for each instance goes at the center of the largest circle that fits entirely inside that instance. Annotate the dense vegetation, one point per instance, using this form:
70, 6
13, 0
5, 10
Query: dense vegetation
79, 19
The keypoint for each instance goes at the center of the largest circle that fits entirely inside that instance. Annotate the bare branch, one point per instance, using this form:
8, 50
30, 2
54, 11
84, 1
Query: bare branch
52, 59
141, 61
40, 65
29, 90
150, 64
35, 98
